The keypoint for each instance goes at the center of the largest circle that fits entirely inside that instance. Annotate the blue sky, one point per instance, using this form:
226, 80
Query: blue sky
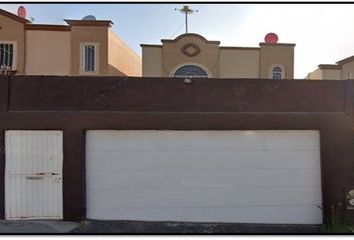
323, 33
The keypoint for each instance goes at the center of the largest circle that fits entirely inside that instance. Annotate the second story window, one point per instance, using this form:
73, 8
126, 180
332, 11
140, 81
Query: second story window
89, 57
277, 73
190, 71
89, 60
6, 55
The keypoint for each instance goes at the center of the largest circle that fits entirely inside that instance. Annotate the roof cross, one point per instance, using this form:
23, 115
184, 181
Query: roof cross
186, 10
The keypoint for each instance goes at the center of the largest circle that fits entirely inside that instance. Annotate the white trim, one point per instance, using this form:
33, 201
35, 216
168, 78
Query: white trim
270, 71
82, 57
14, 56
172, 73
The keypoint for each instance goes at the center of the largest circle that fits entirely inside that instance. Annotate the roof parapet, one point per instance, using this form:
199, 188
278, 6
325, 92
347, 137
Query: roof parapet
89, 23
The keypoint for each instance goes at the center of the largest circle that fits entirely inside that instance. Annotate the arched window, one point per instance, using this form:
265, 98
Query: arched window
190, 71
277, 73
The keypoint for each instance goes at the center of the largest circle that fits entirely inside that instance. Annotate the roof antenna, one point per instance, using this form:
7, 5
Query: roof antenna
186, 10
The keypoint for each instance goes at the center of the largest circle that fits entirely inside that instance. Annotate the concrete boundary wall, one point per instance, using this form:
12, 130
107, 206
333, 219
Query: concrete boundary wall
77, 104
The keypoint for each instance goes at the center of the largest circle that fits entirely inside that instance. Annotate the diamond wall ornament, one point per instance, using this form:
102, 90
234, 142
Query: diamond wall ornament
190, 50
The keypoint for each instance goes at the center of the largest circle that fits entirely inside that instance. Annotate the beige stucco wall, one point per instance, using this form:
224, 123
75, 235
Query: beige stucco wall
237, 63
276, 54
152, 61
172, 57
348, 71
89, 34
122, 60
48, 53
12, 30
219, 62
331, 74
315, 75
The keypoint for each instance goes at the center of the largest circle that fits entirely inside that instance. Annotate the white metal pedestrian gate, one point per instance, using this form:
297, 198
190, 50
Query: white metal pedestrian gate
204, 176
33, 175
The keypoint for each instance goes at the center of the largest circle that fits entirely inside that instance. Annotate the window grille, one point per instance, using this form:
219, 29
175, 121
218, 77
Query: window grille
277, 73
89, 58
6, 55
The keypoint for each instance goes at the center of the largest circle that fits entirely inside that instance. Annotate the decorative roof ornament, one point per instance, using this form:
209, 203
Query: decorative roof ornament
21, 12
190, 50
271, 38
186, 10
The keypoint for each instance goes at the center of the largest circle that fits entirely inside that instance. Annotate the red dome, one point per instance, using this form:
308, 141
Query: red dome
271, 38
21, 12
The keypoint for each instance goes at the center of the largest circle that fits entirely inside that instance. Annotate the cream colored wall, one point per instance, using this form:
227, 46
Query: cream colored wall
348, 71
282, 54
152, 61
122, 60
89, 34
48, 53
331, 74
315, 75
220, 62
12, 30
172, 56
235, 63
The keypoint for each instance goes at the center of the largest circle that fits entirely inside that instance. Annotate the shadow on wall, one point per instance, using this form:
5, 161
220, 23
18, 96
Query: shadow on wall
113, 71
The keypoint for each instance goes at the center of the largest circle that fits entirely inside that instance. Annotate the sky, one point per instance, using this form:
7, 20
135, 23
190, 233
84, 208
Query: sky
323, 33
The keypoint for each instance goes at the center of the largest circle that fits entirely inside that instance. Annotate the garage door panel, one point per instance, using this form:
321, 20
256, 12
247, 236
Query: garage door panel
167, 140
291, 140
226, 176
204, 140
179, 179
176, 160
289, 215
205, 197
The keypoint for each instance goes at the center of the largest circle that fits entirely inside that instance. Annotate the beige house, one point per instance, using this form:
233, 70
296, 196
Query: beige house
82, 47
191, 54
342, 70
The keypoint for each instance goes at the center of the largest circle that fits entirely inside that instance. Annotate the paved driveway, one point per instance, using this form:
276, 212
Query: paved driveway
136, 227
139, 227
38, 226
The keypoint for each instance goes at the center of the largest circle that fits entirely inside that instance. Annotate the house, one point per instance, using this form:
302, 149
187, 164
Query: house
82, 47
342, 70
192, 54
151, 149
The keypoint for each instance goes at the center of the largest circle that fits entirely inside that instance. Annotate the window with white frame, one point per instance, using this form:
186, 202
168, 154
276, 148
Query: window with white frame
89, 57
7, 52
277, 73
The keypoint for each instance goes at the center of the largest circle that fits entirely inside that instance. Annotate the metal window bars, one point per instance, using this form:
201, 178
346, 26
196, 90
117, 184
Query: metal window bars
6, 54
6, 59
89, 58
6, 70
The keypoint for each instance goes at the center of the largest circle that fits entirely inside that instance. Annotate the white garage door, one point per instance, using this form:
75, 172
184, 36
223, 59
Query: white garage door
204, 176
